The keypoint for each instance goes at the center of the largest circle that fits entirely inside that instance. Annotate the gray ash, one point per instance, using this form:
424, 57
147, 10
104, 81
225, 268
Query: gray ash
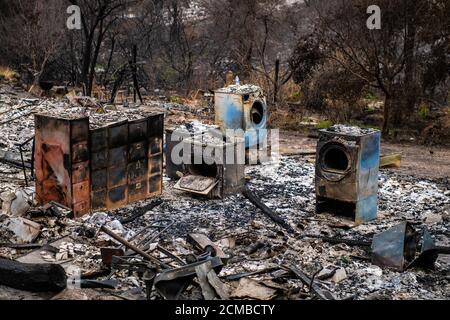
352, 131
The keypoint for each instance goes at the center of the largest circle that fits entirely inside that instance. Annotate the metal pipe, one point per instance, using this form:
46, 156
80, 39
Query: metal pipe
134, 248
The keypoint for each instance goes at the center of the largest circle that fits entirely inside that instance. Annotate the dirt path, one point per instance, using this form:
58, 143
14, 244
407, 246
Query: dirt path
420, 161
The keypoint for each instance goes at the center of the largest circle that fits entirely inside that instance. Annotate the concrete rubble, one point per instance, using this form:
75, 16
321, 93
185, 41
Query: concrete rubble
258, 250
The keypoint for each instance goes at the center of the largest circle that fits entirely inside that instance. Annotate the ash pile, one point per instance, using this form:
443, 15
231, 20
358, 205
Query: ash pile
265, 243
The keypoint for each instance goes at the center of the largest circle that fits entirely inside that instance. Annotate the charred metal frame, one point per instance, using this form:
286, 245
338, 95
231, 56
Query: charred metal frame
347, 174
103, 168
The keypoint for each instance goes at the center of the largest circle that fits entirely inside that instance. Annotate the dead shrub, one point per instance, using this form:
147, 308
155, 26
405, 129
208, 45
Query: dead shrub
334, 92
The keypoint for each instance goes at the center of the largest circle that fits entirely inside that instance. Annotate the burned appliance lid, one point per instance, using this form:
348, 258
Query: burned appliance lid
214, 138
240, 89
202, 185
349, 130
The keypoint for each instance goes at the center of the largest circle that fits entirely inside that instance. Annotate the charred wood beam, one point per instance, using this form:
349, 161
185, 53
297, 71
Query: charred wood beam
266, 210
142, 212
315, 289
25, 246
32, 277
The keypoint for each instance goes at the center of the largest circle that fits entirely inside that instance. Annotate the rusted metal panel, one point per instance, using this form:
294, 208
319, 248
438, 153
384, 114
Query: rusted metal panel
117, 156
154, 165
81, 208
117, 197
79, 130
99, 139
137, 171
53, 160
99, 180
138, 130
155, 133
138, 151
137, 191
156, 125
155, 185
98, 199
80, 152
81, 192
80, 172
99, 160
118, 134
117, 176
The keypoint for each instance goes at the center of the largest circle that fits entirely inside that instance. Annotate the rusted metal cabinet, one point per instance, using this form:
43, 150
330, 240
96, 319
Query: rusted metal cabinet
103, 168
347, 167
62, 162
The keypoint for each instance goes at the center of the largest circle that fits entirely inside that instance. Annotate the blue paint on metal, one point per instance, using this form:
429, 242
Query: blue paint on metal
370, 153
366, 209
230, 114
253, 137
368, 169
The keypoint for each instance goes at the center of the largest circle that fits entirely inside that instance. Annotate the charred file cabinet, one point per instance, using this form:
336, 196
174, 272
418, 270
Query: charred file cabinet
109, 166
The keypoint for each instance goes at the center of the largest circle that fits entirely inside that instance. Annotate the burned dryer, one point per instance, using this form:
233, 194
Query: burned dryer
242, 108
347, 164
173, 150
214, 165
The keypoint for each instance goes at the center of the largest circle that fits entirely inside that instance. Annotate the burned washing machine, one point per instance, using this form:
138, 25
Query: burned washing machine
242, 107
214, 165
347, 165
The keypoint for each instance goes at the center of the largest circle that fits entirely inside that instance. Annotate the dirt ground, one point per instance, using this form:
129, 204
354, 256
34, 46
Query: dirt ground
417, 160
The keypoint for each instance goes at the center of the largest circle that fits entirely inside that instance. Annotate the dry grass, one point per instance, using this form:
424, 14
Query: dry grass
285, 120
8, 73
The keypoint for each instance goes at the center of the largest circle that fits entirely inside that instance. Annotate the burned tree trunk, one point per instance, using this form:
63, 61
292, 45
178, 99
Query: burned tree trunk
32, 277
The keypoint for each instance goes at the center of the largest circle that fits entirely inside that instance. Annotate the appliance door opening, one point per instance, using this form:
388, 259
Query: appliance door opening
257, 113
205, 170
335, 159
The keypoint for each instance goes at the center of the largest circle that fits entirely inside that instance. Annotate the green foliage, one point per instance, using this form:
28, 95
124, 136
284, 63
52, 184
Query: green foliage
370, 96
324, 124
424, 112
371, 110
176, 99
297, 96
168, 75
